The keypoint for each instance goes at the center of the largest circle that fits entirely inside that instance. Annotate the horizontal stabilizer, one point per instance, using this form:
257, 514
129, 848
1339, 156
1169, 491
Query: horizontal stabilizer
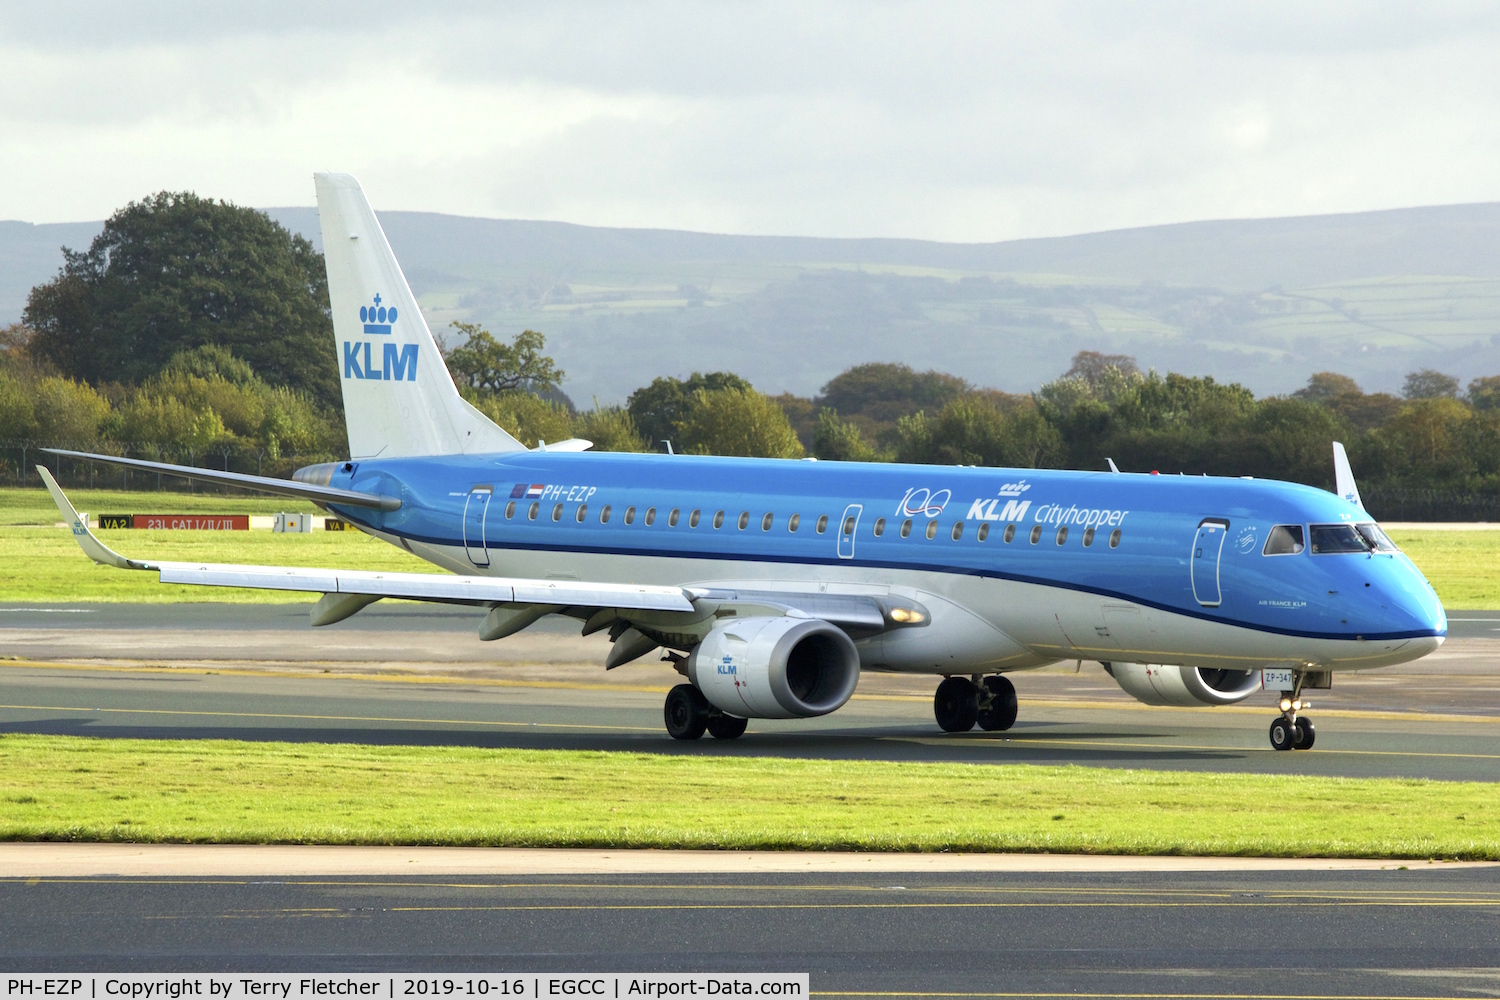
263, 484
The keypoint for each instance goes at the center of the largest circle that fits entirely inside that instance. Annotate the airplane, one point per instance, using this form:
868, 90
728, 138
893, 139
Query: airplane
771, 584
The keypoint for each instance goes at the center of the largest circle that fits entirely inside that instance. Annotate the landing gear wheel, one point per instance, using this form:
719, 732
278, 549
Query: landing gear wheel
1305, 734
956, 705
686, 712
1000, 713
726, 727
1283, 735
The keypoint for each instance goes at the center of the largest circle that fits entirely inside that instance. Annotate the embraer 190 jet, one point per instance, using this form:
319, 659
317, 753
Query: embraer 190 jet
771, 584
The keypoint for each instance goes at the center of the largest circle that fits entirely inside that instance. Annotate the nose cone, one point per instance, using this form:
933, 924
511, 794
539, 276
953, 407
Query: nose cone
1414, 604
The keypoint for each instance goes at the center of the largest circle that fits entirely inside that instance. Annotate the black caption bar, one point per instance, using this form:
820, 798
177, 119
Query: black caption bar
403, 986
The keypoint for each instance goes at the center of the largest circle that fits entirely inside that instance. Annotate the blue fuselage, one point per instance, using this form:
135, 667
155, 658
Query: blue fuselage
1190, 546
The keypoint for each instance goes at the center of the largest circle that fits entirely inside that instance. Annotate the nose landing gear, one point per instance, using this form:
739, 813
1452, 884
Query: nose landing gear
960, 702
1293, 731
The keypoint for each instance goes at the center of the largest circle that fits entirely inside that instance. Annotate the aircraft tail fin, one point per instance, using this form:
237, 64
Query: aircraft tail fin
1343, 476
399, 400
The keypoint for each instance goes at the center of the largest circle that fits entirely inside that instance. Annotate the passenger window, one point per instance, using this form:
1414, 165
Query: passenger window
1088, 537
1379, 540
1114, 539
604, 515
1337, 539
719, 519
694, 517
510, 510
629, 515
791, 524
931, 529
1062, 535
1283, 540
765, 523
744, 519
906, 528
984, 531
879, 526
1036, 534
958, 530
531, 514
650, 518
822, 523
583, 512
672, 517
557, 512
1010, 532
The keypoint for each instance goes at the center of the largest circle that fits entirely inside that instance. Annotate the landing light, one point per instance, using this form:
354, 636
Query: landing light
907, 616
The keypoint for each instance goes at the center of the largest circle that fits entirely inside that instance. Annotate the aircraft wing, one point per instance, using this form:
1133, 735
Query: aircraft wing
478, 590
265, 484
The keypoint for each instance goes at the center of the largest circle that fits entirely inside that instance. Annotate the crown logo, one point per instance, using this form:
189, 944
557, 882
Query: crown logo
1014, 489
377, 318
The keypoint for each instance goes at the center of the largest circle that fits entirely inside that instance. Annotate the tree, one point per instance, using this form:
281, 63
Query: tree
1323, 387
835, 440
660, 407
609, 428
1484, 393
484, 364
975, 430
1093, 367
527, 417
1429, 384
875, 396
176, 272
735, 421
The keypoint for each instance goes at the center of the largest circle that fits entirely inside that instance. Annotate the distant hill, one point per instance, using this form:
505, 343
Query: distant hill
1266, 301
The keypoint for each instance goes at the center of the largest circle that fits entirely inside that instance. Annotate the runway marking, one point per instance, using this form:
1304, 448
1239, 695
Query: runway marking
328, 718
1375, 897
1020, 740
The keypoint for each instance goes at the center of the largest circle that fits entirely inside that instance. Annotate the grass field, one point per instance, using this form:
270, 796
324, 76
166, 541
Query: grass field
73, 788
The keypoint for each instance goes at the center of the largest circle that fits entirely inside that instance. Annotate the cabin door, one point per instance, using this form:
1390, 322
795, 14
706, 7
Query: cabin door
475, 508
847, 526
1208, 546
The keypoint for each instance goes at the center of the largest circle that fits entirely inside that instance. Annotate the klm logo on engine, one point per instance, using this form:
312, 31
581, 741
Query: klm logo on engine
396, 361
726, 666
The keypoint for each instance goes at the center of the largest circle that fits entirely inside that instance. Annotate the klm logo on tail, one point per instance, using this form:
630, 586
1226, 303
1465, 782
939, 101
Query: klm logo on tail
397, 361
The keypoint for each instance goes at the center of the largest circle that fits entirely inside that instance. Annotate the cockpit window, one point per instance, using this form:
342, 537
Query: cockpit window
1335, 539
1283, 540
1379, 540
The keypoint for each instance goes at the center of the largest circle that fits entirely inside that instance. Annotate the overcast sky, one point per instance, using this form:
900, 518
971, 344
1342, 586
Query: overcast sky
972, 122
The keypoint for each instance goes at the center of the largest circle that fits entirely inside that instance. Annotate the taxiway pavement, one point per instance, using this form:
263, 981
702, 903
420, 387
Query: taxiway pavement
411, 674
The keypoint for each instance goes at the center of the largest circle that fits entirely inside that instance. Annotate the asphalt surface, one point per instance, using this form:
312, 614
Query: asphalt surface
1402, 933
413, 675
404, 674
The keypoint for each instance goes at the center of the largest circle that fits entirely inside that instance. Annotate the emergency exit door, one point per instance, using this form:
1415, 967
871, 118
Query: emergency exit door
1208, 547
475, 508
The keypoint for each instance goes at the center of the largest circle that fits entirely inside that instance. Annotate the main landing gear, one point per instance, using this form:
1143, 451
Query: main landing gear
689, 715
1292, 731
961, 702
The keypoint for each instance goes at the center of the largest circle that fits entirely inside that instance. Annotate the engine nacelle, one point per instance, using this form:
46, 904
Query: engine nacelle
1186, 687
775, 668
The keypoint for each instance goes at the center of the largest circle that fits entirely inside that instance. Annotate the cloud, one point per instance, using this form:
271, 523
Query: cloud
947, 121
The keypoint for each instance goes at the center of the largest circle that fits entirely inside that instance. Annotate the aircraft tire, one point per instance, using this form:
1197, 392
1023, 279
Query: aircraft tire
686, 712
956, 705
1305, 734
1283, 734
1003, 708
726, 727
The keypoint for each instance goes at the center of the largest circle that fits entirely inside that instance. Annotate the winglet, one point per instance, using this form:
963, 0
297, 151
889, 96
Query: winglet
92, 547
1343, 476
